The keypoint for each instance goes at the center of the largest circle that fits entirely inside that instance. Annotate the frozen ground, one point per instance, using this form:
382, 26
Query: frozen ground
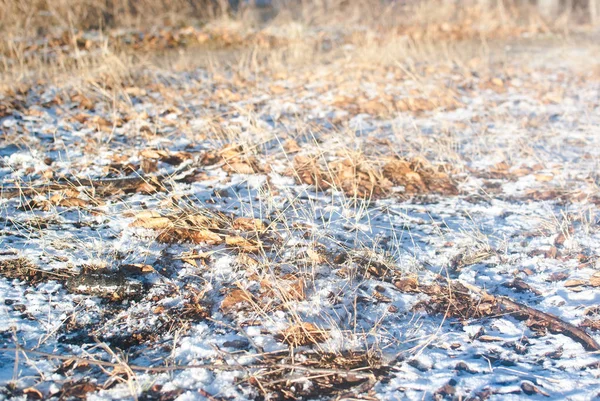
176, 226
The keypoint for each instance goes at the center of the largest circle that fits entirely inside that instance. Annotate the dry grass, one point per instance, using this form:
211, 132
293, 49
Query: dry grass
41, 16
383, 32
367, 40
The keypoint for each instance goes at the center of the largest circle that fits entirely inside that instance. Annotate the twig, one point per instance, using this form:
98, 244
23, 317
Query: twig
211, 366
68, 183
555, 324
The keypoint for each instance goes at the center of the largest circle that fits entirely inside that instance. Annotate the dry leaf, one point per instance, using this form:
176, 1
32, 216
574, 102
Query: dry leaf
291, 146
239, 168
574, 283
188, 235
288, 288
138, 268
544, 177
147, 214
248, 224
154, 223
242, 243
149, 166
409, 284
303, 334
235, 298
146, 188
72, 202
153, 154
307, 171
33, 393
315, 256
595, 280
418, 176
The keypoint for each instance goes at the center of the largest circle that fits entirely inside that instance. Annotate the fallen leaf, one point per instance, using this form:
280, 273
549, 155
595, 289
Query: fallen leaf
242, 243
530, 389
303, 334
248, 224
154, 223
409, 284
146, 188
544, 177
574, 283
33, 393
235, 298
239, 168
72, 202
595, 280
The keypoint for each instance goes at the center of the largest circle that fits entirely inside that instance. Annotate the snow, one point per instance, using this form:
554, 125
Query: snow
422, 236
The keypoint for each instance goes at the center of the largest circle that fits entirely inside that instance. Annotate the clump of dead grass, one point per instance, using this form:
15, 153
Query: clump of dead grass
41, 15
359, 177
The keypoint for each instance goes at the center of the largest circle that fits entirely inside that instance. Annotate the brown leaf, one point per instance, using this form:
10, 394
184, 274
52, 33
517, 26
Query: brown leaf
497, 81
530, 389
72, 202
356, 178
149, 166
591, 324
574, 283
146, 188
78, 390
242, 243
177, 158
239, 168
291, 146
544, 177
248, 224
235, 298
401, 173
487, 339
33, 393
559, 276
288, 288
153, 154
277, 89
374, 107
409, 284
147, 214
48, 174
315, 256
155, 223
303, 334
307, 171
138, 268
83, 101
196, 236
595, 280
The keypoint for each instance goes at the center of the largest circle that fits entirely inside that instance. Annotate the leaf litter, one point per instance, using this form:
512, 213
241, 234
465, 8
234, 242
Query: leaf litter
406, 245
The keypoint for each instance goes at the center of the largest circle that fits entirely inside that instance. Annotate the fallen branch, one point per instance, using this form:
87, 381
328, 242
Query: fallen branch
554, 323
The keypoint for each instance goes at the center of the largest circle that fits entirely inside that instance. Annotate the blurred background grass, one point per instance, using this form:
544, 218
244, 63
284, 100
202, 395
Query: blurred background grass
35, 17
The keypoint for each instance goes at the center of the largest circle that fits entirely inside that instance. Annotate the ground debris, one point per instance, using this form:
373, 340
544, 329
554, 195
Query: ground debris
105, 283
303, 334
418, 176
23, 269
349, 374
